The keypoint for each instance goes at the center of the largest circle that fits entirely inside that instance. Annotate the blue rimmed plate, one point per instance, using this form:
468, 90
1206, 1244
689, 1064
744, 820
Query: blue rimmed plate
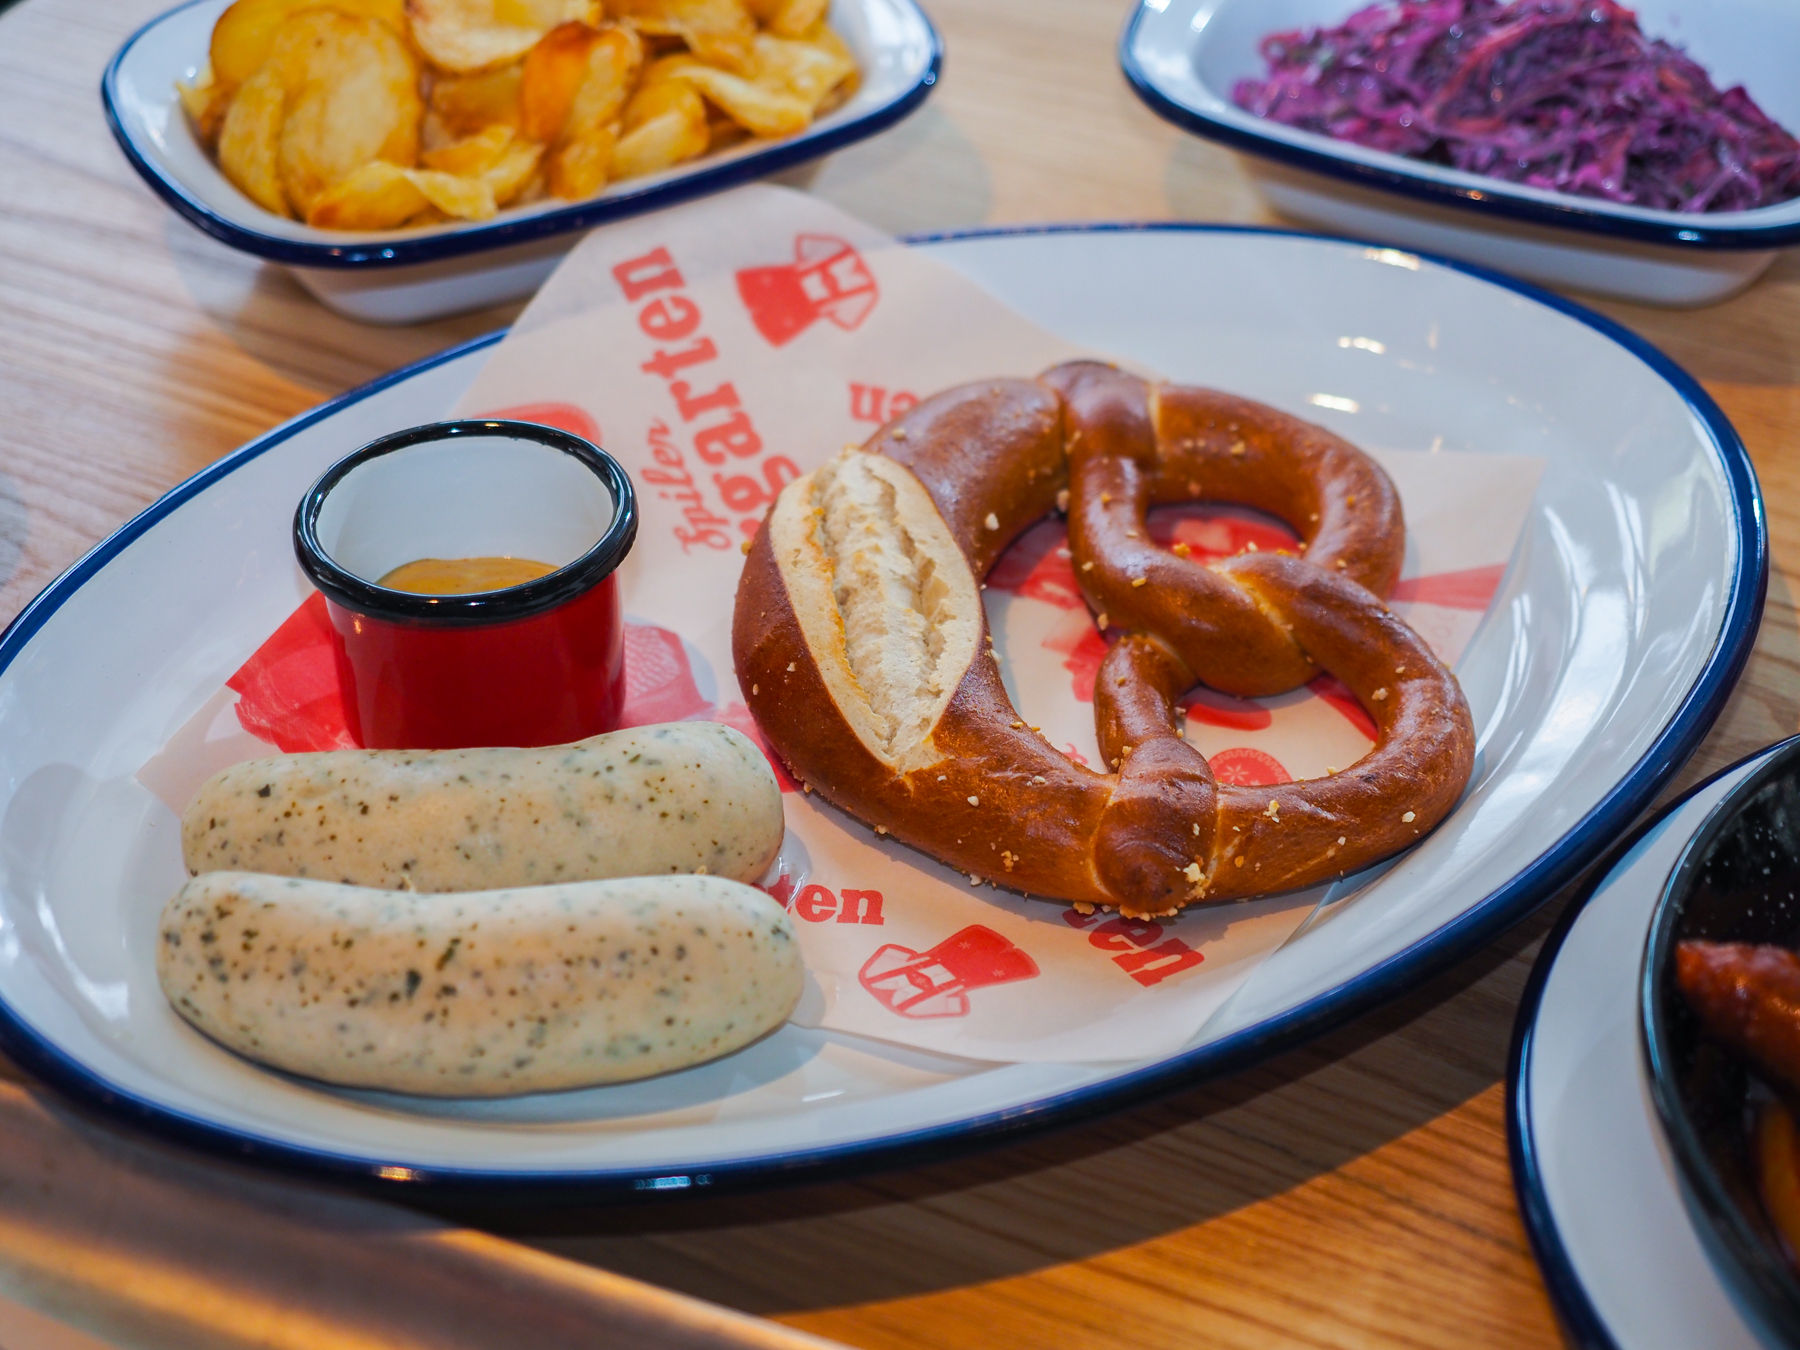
403, 276
1615, 638
1599, 1189
1183, 58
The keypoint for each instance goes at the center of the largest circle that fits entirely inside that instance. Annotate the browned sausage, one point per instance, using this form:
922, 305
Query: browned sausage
1748, 998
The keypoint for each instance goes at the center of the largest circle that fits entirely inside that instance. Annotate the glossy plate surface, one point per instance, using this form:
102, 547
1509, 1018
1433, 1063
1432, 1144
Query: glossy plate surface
1613, 642
1184, 56
1599, 1191
896, 49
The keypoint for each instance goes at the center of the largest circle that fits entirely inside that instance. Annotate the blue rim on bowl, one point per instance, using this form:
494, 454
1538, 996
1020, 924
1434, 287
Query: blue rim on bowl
1418, 180
1581, 1322
1560, 862
699, 179
1716, 892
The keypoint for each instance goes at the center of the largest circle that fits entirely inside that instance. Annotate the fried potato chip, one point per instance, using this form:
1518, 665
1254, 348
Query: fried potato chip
464, 198
788, 18
317, 109
552, 73
840, 93
664, 124
510, 176
249, 138
381, 196
378, 196
666, 68
760, 109
719, 32
197, 95
353, 96
472, 154
205, 100
470, 35
613, 66
579, 167
807, 70
722, 133
576, 84
792, 78
464, 105
844, 91
655, 97
245, 32
496, 155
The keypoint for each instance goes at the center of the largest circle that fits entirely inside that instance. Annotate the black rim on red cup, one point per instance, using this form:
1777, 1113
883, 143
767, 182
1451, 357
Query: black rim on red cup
537, 663
354, 590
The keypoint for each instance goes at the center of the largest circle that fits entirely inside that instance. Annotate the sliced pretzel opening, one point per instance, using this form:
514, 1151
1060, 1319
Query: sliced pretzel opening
883, 588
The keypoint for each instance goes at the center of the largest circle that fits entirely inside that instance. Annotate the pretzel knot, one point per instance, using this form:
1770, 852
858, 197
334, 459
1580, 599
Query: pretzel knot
861, 642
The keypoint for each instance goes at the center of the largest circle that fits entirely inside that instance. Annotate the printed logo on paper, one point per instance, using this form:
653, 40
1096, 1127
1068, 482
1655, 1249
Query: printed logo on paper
828, 279
1136, 946
937, 983
1245, 766
567, 417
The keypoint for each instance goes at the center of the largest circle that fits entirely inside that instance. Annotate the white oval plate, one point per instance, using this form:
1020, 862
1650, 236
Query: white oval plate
1628, 611
1597, 1186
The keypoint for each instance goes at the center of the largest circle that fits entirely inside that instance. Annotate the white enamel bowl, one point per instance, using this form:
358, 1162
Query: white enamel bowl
1614, 640
1599, 1189
1184, 56
407, 276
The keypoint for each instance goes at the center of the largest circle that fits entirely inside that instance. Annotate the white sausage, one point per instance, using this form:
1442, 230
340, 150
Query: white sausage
490, 993
680, 797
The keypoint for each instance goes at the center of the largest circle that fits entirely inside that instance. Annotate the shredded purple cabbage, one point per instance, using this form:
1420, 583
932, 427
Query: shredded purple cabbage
1561, 94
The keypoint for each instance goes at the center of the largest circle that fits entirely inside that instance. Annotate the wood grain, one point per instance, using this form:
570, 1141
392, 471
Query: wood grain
1353, 1193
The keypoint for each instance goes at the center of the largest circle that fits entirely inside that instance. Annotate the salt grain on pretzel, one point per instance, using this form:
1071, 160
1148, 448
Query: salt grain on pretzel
867, 573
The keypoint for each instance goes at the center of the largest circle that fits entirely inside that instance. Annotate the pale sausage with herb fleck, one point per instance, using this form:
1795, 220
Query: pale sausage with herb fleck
490, 993
679, 797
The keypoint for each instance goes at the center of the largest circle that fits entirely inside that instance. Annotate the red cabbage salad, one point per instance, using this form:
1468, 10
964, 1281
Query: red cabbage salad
1561, 94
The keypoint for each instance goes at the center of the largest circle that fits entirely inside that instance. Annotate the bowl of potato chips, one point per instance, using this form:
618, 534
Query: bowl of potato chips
412, 158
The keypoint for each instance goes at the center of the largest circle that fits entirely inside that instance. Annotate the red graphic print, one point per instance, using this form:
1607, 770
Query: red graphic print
1473, 589
738, 717
780, 890
873, 403
289, 692
1243, 767
827, 280
1214, 532
1082, 648
1135, 947
1226, 710
1038, 567
817, 904
937, 983
565, 416
659, 679
1335, 692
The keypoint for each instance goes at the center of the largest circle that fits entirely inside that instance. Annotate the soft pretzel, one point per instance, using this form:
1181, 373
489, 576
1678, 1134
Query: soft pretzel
862, 646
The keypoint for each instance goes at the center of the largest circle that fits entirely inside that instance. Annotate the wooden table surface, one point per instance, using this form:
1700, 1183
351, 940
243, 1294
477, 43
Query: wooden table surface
1353, 1193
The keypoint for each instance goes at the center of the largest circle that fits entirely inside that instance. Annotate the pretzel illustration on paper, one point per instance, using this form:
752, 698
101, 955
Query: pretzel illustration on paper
862, 647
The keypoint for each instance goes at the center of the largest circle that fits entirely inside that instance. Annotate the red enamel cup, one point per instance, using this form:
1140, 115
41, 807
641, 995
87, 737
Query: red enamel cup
539, 663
